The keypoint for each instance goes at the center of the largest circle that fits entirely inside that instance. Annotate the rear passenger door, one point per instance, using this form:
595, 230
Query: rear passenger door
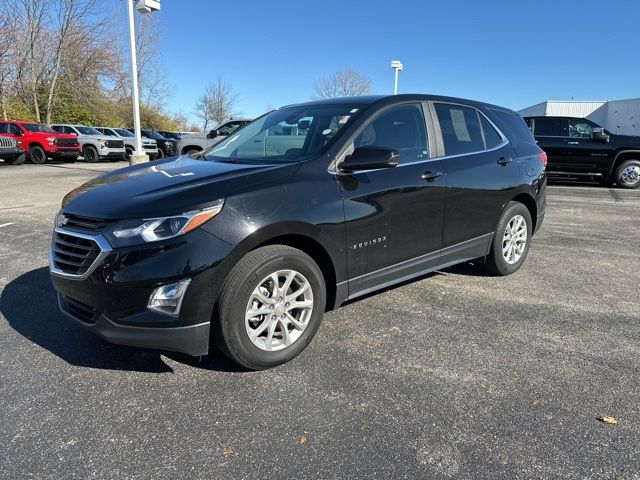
482, 175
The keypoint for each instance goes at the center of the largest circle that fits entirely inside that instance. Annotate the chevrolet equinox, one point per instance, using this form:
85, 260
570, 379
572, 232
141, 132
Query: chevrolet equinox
248, 243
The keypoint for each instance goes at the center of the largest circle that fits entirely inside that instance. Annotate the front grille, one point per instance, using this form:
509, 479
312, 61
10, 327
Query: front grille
114, 144
73, 255
171, 148
79, 310
86, 224
6, 142
66, 142
149, 146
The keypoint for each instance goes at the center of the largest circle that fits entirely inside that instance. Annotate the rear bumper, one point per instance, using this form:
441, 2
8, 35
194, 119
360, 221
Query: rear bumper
190, 339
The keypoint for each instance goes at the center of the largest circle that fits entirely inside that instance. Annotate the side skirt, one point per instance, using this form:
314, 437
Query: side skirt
416, 267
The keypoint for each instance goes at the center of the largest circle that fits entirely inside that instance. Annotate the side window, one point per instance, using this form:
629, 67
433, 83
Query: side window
14, 129
400, 128
581, 129
491, 136
229, 128
460, 129
58, 128
548, 127
529, 122
4, 128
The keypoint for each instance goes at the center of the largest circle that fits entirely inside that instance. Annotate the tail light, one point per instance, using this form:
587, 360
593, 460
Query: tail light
542, 156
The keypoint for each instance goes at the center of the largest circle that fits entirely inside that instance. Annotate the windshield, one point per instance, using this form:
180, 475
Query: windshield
284, 136
152, 134
38, 127
87, 130
122, 132
106, 131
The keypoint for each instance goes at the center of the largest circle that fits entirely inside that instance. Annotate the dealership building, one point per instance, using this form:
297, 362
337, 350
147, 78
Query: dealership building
617, 116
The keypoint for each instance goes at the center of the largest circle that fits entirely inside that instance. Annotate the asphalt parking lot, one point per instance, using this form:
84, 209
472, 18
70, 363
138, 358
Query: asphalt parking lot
458, 375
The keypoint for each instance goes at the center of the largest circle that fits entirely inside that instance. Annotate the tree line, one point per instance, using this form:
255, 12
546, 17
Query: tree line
67, 61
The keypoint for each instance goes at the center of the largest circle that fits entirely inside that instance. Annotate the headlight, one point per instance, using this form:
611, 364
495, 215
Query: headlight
136, 232
51, 140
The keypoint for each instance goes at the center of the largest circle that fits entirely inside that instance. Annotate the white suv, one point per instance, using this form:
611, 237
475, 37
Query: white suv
95, 146
196, 142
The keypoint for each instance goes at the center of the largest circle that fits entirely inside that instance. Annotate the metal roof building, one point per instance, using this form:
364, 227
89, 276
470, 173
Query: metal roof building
617, 116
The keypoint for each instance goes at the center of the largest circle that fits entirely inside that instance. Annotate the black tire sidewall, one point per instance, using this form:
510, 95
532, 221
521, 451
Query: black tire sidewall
236, 296
160, 154
87, 159
619, 170
40, 153
498, 263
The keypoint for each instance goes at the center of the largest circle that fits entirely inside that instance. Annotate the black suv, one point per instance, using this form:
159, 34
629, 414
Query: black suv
251, 241
577, 147
167, 147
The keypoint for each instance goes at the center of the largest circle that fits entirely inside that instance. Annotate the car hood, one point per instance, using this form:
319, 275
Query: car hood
166, 187
52, 134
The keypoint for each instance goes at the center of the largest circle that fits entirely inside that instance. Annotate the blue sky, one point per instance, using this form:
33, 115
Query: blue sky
513, 53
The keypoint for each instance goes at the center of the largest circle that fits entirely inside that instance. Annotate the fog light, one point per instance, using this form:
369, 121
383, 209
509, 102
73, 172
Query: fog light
168, 298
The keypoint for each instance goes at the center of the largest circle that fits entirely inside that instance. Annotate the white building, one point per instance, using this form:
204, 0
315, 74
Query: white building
617, 116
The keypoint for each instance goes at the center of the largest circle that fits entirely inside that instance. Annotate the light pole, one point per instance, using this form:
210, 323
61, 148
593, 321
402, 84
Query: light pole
397, 67
143, 6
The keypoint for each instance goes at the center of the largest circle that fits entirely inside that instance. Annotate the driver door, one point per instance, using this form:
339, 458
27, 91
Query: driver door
394, 216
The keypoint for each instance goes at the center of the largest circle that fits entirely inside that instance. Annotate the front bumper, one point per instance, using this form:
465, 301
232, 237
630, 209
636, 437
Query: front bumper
112, 153
10, 152
64, 153
111, 298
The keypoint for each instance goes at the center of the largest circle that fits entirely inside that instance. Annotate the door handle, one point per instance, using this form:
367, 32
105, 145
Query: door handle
504, 160
573, 143
430, 176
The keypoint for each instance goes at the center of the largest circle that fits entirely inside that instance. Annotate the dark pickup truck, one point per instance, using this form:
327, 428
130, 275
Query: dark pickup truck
577, 147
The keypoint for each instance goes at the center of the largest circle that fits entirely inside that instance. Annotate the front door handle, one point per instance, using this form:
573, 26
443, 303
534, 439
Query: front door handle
430, 176
504, 160
573, 143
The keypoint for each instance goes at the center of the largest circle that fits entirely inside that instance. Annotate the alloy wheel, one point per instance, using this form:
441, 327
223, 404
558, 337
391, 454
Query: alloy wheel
279, 310
514, 240
630, 175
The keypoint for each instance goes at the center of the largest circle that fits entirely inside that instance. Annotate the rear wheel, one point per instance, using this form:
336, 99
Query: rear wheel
511, 240
628, 174
270, 307
37, 155
90, 154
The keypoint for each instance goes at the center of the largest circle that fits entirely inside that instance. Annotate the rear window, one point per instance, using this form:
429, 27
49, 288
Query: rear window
460, 129
513, 126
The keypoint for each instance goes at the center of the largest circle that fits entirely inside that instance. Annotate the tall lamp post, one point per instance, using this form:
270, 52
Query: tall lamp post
143, 6
397, 67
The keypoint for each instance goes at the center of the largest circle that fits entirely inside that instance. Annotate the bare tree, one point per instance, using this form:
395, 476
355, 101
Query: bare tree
216, 103
343, 83
7, 57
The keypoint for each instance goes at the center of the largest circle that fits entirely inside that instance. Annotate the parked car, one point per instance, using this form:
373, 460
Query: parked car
95, 146
149, 146
307, 207
10, 152
197, 142
578, 147
40, 141
166, 146
170, 135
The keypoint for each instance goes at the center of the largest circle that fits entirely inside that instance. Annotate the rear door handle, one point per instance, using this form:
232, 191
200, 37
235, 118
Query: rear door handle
573, 143
504, 160
430, 176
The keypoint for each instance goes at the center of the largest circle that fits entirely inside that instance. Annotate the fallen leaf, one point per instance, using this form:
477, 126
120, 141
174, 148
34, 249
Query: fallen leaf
363, 427
302, 440
608, 420
535, 402
227, 452
266, 386
316, 410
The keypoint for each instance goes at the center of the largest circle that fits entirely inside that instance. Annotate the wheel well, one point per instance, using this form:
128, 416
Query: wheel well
623, 156
317, 252
190, 147
528, 201
35, 144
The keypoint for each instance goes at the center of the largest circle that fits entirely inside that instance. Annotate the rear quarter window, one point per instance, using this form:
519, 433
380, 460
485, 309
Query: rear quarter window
516, 130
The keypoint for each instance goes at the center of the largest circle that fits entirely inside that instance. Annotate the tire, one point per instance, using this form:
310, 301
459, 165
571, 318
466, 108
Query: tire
252, 274
37, 155
628, 174
128, 151
90, 154
160, 154
502, 260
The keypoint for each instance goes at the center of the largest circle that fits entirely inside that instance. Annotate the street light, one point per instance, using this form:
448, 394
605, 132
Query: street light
397, 67
143, 6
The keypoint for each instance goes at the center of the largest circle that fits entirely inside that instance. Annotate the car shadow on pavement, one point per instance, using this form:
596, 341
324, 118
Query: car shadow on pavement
30, 306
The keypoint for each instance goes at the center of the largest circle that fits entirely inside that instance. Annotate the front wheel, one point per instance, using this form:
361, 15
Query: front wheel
270, 307
628, 174
37, 155
511, 240
160, 154
90, 154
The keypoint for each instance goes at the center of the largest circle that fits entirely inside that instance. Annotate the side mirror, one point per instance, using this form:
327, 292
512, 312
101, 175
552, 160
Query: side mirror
369, 158
212, 133
599, 135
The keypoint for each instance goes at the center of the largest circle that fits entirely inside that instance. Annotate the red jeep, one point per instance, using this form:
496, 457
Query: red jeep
41, 142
